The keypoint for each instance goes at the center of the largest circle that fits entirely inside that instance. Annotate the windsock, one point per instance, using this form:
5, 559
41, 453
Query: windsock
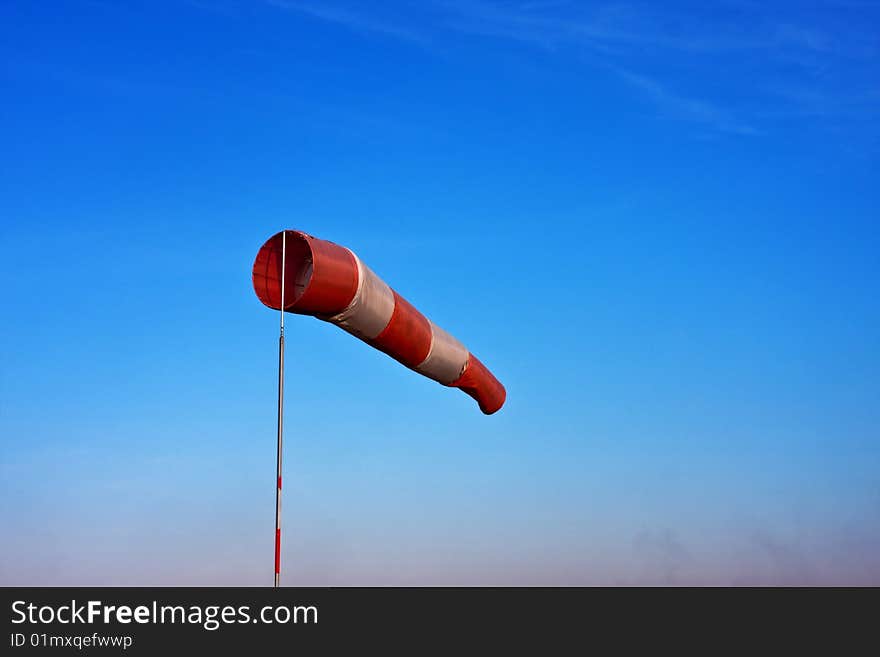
328, 281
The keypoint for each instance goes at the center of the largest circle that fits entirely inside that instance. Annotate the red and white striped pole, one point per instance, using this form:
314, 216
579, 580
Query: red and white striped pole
280, 422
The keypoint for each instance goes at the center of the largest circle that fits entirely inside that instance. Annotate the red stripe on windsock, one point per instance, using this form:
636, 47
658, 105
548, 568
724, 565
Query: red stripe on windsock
321, 277
333, 283
478, 382
277, 551
407, 338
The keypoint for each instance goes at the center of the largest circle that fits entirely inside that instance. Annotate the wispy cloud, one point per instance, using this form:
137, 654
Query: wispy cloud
352, 20
828, 58
637, 41
622, 27
690, 109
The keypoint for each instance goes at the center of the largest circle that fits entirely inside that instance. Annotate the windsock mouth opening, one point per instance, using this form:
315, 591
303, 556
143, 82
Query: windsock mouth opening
298, 261
320, 277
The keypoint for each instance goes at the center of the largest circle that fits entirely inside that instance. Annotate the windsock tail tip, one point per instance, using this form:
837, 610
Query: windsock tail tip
478, 382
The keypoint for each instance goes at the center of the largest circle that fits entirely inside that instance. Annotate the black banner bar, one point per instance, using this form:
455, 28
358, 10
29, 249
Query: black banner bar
167, 621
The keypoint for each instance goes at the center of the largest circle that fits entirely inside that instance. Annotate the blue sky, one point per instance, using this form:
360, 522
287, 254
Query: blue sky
656, 225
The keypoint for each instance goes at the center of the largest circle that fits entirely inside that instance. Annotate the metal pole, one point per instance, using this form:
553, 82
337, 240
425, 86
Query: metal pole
280, 415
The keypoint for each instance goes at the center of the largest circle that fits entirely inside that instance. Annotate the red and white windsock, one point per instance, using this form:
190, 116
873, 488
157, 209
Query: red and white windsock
330, 282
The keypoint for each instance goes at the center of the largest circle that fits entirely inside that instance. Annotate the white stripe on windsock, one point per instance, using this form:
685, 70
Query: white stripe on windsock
446, 360
370, 310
